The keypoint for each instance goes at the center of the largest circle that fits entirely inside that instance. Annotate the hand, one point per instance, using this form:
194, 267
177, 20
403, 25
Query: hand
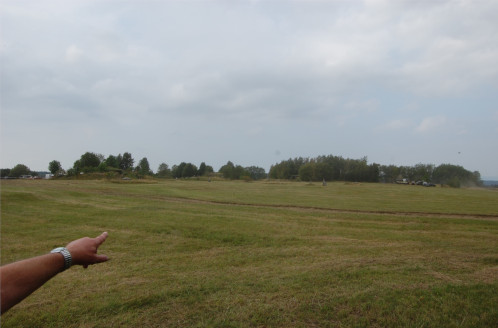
84, 250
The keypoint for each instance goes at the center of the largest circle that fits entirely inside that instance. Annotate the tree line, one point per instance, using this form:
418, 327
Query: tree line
328, 168
123, 164
337, 168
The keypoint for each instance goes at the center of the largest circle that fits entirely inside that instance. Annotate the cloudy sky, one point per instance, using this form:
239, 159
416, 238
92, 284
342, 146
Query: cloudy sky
253, 82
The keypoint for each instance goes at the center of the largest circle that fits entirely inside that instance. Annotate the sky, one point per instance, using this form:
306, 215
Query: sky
252, 82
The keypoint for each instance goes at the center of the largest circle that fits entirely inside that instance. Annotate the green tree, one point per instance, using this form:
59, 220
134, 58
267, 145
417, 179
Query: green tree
240, 173
306, 172
119, 160
112, 161
126, 162
143, 167
54, 167
76, 167
227, 170
177, 170
202, 169
422, 172
189, 170
256, 173
102, 166
230, 171
163, 171
389, 173
4, 173
18, 170
89, 162
456, 176
328, 168
288, 169
476, 176
322, 170
209, 170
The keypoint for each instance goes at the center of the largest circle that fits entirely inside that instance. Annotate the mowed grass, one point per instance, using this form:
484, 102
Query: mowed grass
261, 254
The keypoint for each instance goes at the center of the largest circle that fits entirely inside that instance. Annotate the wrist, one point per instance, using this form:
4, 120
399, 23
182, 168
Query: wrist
68, 260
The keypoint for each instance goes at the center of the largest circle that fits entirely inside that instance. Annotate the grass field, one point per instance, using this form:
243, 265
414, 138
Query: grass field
259, 254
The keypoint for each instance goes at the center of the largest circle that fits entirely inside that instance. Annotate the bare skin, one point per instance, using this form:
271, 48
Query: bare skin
20, 279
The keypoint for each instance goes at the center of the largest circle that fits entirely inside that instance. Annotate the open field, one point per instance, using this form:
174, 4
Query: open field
260, 254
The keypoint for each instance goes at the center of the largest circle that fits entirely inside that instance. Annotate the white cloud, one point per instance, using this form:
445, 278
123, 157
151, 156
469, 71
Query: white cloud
451, 47
396, 124
429, 124
73, 54
369, 105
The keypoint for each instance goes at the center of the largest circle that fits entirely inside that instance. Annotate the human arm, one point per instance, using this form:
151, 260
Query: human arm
20, 279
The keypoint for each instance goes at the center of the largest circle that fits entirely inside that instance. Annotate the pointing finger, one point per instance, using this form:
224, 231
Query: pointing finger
100, 239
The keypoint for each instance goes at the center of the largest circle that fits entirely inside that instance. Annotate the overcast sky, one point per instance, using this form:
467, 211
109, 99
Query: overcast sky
253, 82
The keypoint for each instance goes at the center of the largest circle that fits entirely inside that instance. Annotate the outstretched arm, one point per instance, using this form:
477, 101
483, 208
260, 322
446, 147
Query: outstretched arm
20, 279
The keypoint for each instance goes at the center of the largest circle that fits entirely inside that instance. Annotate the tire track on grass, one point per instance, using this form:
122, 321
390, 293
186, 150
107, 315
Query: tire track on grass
330, 210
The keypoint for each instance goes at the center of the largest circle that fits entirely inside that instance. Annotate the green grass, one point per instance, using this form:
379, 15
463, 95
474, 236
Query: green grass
265, 254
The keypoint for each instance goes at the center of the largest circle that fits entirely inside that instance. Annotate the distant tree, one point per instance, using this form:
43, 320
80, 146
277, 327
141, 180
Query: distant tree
306, 172
456, 176
389, 173
177, 170
4, 173
230, 171
240, 173
373, 172
227, 170
119, 160
476, 176
54, 167
328, 168
322, 170
209, 170
76, 167
112, 161
422, 172
18, 170
287, 169
88, 162
127, 162
336, 166
202, 169
102, 166
189, 170
184, 170
163, 171
256, 173
143, 167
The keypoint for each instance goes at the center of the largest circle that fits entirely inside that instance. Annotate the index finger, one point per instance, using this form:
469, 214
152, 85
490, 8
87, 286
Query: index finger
100, 239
